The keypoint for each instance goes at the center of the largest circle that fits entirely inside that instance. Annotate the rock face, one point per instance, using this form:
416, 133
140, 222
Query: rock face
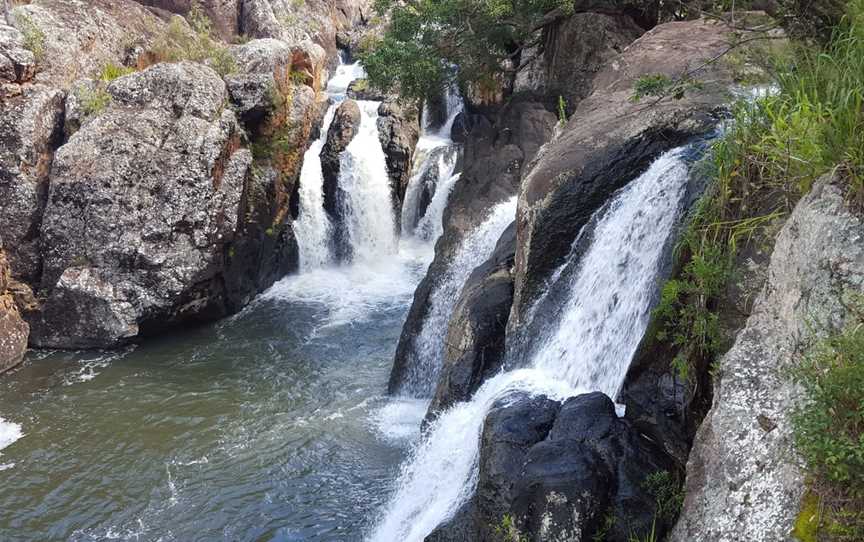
13, 329
571, 53
224, 15
743, 476
31, 125
563, 471
17, 63
494, 156
143, 206
608, 141
346, 122
475, 335
398, 130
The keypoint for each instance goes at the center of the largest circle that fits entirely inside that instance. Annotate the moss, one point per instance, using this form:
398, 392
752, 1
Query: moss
807, 522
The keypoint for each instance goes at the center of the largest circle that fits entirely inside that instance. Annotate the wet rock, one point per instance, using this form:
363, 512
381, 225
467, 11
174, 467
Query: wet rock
144, 204
743, 458
31, 125
495, 154
13, 329
359, 89
427, 183
398, 130
346, 122
609, 140
475, 335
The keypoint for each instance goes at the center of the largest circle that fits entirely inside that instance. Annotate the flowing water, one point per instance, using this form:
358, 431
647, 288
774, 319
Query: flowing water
608, 289
269, 425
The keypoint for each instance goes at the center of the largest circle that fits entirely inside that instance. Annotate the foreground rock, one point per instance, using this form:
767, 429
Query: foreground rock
476, 333
609, 140
144, 205
495, 154
398, 130
346, 123
743, 476
571, 471
13, 329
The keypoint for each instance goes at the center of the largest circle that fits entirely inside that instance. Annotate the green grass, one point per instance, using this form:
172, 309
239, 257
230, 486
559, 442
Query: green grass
112, 71
34, 37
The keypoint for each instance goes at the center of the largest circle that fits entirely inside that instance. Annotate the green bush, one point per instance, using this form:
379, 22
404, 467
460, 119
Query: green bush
34, 37
93, 101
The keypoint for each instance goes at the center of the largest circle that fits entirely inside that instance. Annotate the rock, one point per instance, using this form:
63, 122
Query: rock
359, 89
494, 156
573, 50
31, 125
427, 182
81, 38
224, 15
461, 128
744, 481
398, 130
17, 63
475, 335
609, 140
144, 205
346, 122
13, 329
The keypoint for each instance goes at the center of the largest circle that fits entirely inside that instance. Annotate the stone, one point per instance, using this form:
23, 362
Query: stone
346, 122
398, 130
13, 329
17, 63
745, 482
224, 15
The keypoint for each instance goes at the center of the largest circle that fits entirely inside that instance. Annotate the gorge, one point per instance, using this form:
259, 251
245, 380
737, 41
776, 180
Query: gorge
255, 286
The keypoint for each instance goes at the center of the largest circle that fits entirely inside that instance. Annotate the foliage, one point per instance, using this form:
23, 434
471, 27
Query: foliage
562, 111
428, 38
194, 42
661, 86
112, 71
507, 531
668, 494
34, 37
93, 101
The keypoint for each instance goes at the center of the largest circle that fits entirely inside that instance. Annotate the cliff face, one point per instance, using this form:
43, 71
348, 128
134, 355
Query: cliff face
140, 192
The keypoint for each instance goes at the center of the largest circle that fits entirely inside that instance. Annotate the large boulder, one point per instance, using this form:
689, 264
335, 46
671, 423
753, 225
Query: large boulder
495, 153
13, 329
17, 63
744, 480
475, 335
346, 122
610, 139
31, 125
143, 208
398, 130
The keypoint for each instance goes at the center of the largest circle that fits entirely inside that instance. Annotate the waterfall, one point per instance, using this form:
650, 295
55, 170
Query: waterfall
428, 349
367, 207
431, 226
607, 299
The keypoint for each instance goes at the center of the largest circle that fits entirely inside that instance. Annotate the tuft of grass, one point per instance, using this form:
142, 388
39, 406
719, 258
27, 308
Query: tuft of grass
508, 531
562, 111
668, 493
34, 37
112, 71
93, 101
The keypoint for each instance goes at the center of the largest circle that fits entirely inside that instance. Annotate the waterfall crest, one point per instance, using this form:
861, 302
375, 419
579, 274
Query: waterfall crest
607, 298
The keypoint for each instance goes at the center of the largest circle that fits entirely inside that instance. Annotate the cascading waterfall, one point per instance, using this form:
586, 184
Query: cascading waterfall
367, 207
603, 318
428, 350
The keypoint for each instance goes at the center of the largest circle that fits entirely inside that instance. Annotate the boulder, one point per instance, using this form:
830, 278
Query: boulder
17, 63
610, 139
359, 89
744, 480
495, 153
426, 180
346, 122
475, 335
144, 205
31, 125
398, 130
13, 329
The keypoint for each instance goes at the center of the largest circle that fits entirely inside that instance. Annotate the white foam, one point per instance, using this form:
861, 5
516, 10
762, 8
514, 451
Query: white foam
9, 433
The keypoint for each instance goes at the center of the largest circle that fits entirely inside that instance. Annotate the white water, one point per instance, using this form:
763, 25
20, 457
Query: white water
367, 207
604, 316
431, 226
426, 356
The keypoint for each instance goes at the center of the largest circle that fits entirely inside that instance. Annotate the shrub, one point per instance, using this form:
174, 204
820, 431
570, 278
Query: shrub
112, 71
668, 494
93, 101
34, 37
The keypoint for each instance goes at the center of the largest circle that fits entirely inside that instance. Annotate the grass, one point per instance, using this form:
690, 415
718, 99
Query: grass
34, 37
112, 71
93, 101
768, 158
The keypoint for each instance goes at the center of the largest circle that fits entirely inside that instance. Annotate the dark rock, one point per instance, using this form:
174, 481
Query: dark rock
398, 130
495, 154
31, 125
609, 140
346, 122
461, 127
359, 89
475, 336
427, 183
13, 329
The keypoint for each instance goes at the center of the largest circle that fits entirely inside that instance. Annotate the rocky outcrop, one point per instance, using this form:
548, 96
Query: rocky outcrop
346, 122
13, 329
610, 139
570, 54
744, 480
144, 204
398, 130
475, 336
495, 153
563, 471
224, 15
31, 129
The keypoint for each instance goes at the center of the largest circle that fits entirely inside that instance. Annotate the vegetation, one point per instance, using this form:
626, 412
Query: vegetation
668, 493
507, 531
93, 101
112, 71
34, 37
193, 42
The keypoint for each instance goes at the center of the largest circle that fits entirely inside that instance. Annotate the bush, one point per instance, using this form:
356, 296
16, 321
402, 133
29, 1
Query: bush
34, 37
93, 101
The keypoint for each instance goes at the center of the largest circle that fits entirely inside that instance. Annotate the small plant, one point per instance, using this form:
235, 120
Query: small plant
661, 86
34, 37
507, 531
93, 101
194, 42
668, 494
112, 71
562, 111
